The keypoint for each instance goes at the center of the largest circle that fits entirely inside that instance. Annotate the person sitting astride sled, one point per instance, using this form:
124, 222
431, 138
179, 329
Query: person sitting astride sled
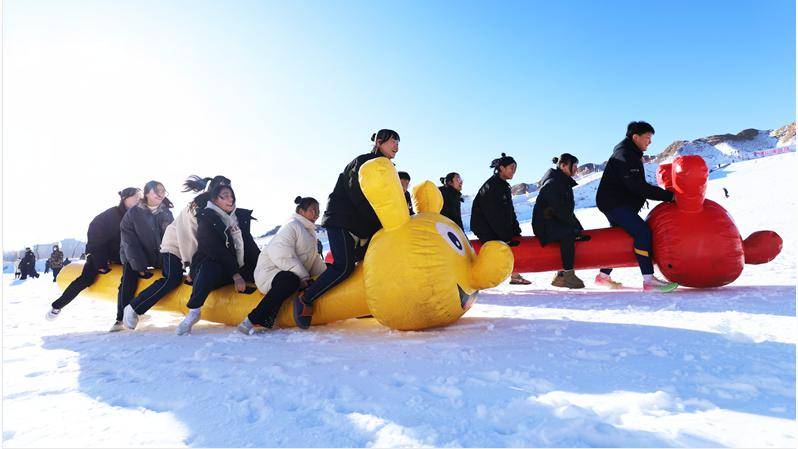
553, 218
452, 197
621, 193
226, 252
404, 178
350, 222
492, 214
287, 264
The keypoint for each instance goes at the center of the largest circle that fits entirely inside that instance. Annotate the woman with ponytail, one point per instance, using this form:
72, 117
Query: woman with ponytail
102, 248
350, 222
287, 264
452, 197
226, 252
553, 218
492, 214
178, 246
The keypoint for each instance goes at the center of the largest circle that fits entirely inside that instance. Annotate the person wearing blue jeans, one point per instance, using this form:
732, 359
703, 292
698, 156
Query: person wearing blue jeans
622, 191
350, 222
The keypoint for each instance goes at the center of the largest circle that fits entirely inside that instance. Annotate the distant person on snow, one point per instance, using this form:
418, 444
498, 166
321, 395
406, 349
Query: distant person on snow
178, 246
28, 265
452, 198
621, 193
17, 272
492, 214
287, 264
142, 230
725, 192
553, 218
226, 252
46, 266
102, 247
404, 178
350, 222
56, 261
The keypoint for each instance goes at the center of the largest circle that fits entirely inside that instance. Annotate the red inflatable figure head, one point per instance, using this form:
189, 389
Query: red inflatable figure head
696, 242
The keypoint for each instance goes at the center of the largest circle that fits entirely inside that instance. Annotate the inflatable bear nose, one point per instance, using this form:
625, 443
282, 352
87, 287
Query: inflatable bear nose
492, 266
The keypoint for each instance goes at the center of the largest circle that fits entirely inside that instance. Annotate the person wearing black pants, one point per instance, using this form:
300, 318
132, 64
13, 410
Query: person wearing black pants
226, 252
287, 264
621, 194
103, 239
142, 230
350, 222
492, 213
553, 218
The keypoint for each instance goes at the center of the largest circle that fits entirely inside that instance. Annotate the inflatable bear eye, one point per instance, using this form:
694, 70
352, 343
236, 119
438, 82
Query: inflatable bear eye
452, 237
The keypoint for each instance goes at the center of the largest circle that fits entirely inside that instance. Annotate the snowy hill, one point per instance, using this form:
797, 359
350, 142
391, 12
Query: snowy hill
526, 366
721, 149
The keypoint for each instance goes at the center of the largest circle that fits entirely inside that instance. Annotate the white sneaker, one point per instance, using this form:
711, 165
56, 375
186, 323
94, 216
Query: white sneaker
188, 322
52, 314
659, 286
118, 326
606, 281
246, 326
131, 318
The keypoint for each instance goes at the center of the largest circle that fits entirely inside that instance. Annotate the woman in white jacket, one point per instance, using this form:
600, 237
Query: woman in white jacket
287, 264
178, 246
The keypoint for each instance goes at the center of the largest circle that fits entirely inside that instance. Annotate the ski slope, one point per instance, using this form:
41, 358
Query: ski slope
526, 366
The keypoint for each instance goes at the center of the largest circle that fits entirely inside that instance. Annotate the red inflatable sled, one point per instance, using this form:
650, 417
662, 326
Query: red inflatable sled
695, 241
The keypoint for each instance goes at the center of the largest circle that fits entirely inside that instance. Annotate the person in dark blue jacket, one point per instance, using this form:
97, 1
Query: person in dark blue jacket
102, 248
621, 194
350, 222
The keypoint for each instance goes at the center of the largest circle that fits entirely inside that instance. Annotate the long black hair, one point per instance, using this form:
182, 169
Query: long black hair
304, 203
219, 189
502, 161
196, 184
152, 185
382, 136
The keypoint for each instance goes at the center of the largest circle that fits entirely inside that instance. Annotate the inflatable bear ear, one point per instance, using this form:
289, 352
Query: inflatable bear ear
380, 184
427, 197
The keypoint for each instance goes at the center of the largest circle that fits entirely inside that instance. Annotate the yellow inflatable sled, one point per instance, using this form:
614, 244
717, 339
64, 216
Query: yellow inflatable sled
419, 272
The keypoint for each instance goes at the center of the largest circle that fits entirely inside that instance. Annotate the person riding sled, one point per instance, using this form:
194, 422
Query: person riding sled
492, 213
621, 193
553, 218
350, 222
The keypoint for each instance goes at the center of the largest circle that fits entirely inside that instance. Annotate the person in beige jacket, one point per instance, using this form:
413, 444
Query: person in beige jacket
287, 264
178, 246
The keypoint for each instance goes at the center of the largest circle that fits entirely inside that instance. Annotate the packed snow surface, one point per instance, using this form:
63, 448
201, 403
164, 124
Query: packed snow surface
526, 366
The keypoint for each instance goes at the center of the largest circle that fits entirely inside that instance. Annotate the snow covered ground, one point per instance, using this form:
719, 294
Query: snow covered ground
526, 366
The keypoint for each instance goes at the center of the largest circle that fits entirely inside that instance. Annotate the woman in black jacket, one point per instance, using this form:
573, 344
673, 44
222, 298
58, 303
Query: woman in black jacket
102, 248
350, 222
142, 229
452, 197
226, 252
553, 218
492, 213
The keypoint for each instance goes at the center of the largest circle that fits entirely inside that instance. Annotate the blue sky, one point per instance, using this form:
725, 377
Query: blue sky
280, 96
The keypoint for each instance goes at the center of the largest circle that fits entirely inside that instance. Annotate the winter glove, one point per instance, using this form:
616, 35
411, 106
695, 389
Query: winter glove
582, 238
145, 274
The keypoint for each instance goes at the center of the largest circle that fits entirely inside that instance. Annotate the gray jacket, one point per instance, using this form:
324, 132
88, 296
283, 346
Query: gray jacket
142, 232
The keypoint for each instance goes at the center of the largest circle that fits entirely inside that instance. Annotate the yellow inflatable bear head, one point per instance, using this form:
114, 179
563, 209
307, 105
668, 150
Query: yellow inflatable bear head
421, 271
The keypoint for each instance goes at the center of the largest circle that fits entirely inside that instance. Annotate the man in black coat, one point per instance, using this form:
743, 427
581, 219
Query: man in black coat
102, 248
404, 179
621, 194
553, 218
